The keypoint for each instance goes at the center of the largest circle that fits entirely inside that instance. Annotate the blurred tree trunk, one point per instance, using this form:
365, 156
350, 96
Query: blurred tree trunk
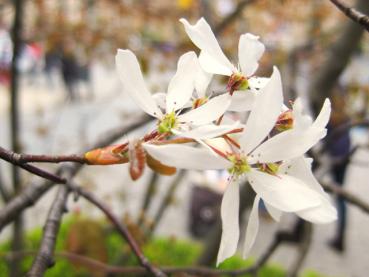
17, 242
337, 59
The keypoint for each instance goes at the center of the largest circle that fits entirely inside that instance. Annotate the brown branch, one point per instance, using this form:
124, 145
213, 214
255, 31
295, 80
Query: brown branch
337, 58
353, 14
26, 158
96, 265
44, 258
347, 196
121, 229
149, 194
17, 30
32, 193
304, 247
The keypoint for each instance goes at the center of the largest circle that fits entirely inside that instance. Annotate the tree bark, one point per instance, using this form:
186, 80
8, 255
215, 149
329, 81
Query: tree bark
338, 57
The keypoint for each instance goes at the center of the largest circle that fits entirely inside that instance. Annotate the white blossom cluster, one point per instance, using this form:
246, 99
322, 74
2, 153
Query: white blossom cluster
194, 131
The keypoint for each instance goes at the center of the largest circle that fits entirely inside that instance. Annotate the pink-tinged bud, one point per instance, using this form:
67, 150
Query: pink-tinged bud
237, 82
107, 155
137, 159
285, 121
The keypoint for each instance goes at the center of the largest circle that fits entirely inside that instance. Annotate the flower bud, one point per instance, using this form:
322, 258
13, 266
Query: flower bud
106, 156
285, 121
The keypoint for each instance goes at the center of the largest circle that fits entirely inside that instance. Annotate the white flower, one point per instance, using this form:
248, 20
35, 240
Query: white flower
180, 90
257, 161
213, 60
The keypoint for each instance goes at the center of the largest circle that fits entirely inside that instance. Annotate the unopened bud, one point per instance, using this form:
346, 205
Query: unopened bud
106, 156
285, 121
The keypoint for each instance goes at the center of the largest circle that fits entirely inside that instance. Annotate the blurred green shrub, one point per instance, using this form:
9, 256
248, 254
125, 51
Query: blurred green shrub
95, 239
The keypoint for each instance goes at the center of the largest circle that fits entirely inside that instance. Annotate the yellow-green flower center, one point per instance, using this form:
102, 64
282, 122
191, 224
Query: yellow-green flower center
240, 165
237, 82
168, 122
270, 168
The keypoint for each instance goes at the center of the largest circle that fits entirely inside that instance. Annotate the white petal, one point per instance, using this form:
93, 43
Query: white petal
230, 222
160, 99
220, 144
283, 192
250, 50
210, 111
242, 101
257, 83
130, 74
301, 168
287, 145
264, 114
300, 121
274, 213
323, 117
203, 37
181, 86
212, 66
324, 213
187, 157
202, 80
252, 228
207, 131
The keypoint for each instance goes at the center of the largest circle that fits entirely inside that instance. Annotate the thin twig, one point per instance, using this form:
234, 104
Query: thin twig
99, 266
44, 258
26, 158
353, 14
149, 193
121, 229
347, 196
32, 193
304, 247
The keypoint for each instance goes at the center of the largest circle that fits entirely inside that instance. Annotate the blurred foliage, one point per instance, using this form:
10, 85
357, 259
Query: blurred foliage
96, 240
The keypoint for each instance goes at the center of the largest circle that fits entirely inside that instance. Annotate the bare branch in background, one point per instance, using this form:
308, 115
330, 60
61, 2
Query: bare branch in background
347, 196
229, 19
17, 29
32, 193
303, 250
352, 13
121, 229
148, 196
338, 57
44, 258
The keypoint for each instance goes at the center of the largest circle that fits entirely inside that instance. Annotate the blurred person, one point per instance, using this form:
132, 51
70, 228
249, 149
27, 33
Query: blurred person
6, 53
52, 59
70, 69
339, 149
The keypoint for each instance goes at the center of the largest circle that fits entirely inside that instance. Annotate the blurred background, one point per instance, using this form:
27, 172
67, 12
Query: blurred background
64, 94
